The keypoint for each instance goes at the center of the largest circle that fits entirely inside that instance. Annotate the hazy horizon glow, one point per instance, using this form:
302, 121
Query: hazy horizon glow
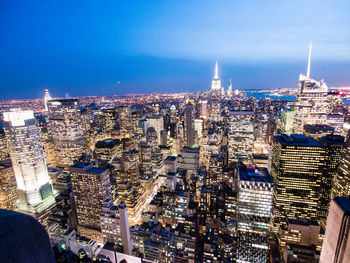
87, 48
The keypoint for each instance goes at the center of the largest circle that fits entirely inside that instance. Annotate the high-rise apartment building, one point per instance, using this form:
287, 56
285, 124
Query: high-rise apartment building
26, 149
91, 186
189, 125
66, 129
255, 196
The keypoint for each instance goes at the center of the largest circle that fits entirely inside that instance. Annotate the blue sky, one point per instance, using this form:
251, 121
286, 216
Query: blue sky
88, 47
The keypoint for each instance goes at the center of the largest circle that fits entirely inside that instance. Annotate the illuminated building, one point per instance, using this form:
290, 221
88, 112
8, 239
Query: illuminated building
229, 91
170, 164
34, 188
152, 138
215, 111
198, 127
159, 245
164, 138
241, 134
8, 194
91, 186
333, 145
143, 125
145, 156
4, 153
109, 119
66, 129
125, 121
130, 166
185, 242
107, 149
255, 196
189, 159
314, 104
115, 226
157, 122
215, 171
155, 108
336, 245
302, 241
286, 121
297, 168
317, 131
203, 109
341, 182
47, 97
189, 125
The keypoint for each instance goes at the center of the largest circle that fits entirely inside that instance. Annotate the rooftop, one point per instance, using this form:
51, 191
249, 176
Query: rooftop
297, 140
256, 174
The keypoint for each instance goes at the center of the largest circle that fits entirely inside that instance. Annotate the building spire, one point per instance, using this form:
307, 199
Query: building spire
216, 76
309, 61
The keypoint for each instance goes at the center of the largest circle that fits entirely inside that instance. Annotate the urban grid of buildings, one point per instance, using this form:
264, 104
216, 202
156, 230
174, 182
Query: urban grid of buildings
208, 177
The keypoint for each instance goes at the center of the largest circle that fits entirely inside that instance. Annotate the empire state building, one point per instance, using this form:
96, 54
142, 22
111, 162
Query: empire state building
215, 113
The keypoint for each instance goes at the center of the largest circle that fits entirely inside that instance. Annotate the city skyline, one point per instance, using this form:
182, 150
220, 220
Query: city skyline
175, 131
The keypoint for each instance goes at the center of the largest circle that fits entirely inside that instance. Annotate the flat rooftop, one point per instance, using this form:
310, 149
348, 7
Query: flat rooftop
297, 140
255, 174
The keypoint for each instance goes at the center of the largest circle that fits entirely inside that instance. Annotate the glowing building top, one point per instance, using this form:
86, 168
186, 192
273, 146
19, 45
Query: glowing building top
216, 83
27, 156
47, 98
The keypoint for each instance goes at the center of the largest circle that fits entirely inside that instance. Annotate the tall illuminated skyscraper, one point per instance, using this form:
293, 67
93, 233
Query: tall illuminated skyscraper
189, 125
46, 99
28, 160
314, 103
66, 129
215, 114
255, 195
297, 168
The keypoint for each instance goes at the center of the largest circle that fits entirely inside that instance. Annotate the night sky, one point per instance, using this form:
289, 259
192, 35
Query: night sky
116, 47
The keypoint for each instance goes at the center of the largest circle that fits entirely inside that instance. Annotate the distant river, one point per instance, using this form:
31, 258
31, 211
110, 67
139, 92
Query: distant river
263, 95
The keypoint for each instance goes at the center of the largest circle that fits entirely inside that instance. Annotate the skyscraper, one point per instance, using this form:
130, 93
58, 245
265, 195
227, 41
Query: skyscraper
28, 160
215, 114
189, 125
66, 128
91, 187
109, 119
314, 103
297, 167
341, 182
46, 99
255, 195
